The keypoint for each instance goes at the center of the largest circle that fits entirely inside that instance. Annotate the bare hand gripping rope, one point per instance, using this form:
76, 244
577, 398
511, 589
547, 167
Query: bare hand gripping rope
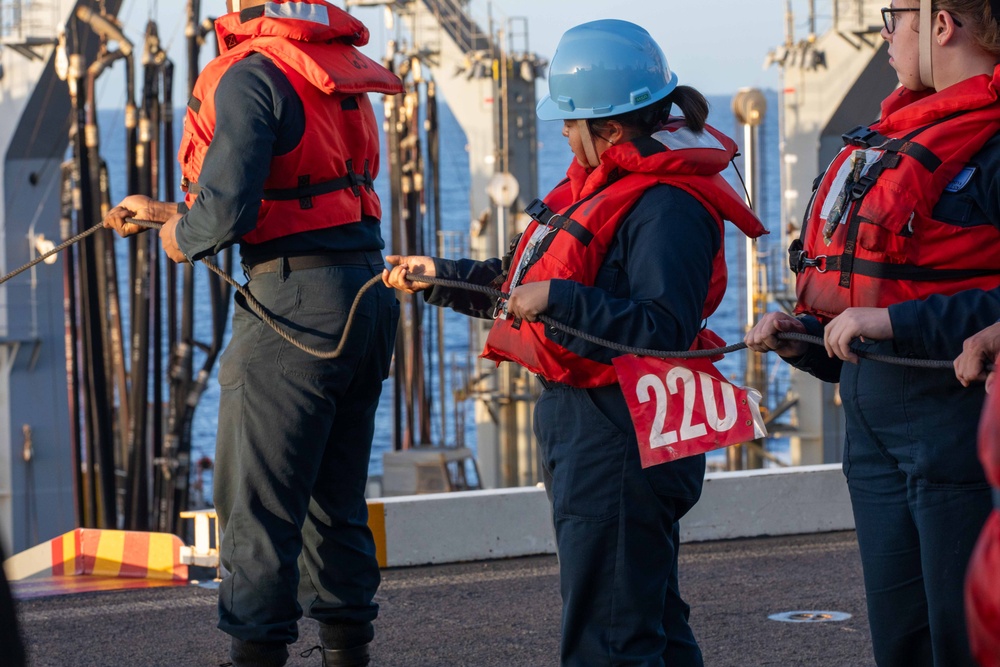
681, 354
254, 305
266, 317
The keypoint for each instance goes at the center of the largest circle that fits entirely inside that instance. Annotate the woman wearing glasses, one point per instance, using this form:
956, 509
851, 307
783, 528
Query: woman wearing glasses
901, 248
631, 241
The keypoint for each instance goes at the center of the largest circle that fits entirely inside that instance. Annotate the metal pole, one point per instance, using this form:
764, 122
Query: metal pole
749, 106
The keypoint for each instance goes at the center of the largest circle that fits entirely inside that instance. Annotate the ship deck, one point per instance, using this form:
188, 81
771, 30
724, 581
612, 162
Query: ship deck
497, 613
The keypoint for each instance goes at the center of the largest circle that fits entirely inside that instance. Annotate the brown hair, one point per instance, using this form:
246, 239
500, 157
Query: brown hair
978, 18
647, 120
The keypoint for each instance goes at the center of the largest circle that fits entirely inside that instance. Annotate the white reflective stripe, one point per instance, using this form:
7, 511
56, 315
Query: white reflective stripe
685, 138
870, 156
522, 264
298, 10
838, 185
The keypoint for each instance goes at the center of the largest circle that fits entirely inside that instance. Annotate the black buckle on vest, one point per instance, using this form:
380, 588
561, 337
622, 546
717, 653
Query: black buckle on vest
795, 253
537, 210
369, 182
356, 180
305, 202
799, 260
541, 213
862, 187
861, 137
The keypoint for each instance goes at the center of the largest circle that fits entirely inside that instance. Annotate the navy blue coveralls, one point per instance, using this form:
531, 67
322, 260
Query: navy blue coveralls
918, 491
295, 431
616, 526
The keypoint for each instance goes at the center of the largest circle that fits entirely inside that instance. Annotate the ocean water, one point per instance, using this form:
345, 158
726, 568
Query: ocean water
553, 158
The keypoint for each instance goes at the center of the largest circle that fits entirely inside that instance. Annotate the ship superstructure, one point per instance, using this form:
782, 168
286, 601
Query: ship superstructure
36, 478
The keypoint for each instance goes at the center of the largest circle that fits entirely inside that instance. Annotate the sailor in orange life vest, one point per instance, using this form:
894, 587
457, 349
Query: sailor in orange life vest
982, 593
630, 241
901, 249
295, 432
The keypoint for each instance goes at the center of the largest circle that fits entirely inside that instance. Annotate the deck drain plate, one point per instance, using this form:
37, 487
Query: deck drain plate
810, 616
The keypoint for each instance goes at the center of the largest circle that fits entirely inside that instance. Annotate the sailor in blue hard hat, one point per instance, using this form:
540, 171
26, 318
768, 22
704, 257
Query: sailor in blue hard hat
627, 248
601, 69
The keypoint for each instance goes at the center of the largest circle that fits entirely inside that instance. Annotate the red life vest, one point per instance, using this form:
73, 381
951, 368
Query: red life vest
589, 208
870, 238
327, 179
982, 595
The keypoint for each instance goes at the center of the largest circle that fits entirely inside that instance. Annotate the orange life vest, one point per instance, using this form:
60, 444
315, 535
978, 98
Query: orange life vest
870, 238
572, 230
326, 180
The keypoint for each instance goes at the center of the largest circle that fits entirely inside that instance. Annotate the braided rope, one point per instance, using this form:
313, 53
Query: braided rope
685, 354
62, 246
258, 308
268, 318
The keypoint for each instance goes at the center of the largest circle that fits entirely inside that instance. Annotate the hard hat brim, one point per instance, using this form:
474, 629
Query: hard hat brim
549, 109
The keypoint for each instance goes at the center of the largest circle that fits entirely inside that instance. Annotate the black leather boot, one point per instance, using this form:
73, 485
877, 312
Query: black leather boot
257, 654
346, 657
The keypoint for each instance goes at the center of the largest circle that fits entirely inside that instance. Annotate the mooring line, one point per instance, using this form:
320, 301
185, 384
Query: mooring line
936, 364
62, 246
268, 318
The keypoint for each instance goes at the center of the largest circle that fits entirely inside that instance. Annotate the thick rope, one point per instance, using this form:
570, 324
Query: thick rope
268, 318
252, 303
937, 364
62, 246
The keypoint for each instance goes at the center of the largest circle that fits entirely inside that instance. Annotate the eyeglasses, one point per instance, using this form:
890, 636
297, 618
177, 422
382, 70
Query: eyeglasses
889, 17
890, 20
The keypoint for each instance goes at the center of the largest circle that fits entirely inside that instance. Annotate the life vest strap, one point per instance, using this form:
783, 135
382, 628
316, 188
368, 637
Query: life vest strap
305, 191
798, 258
540, 212
865, 137
799, 261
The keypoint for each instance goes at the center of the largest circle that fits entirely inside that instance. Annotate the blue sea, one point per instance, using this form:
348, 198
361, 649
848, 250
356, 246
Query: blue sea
553, 158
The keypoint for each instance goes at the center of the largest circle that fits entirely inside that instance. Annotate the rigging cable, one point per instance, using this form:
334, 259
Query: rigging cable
260, 311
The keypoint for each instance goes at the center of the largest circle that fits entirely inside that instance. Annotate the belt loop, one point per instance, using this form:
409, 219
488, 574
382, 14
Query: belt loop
282, 269
246, 270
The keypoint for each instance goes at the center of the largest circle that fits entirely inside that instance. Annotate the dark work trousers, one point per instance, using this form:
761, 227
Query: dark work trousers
616, 534
920, 498
292, 454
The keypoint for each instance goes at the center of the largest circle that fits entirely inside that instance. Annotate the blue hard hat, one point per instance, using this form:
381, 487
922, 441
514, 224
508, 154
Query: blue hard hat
605, 68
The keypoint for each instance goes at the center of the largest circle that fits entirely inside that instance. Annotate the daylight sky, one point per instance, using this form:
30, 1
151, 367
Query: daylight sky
717, 46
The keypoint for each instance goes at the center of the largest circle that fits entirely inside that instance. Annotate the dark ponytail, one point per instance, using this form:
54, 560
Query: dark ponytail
647, 120
692, 104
